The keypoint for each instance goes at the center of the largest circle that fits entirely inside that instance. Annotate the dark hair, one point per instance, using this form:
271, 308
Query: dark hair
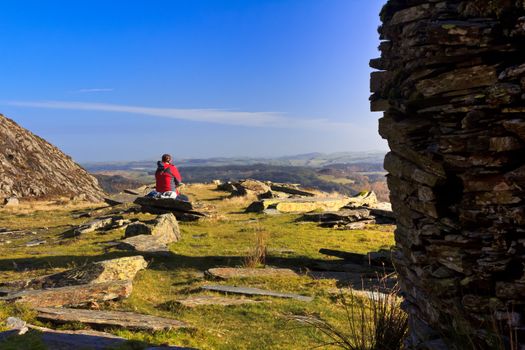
166, 158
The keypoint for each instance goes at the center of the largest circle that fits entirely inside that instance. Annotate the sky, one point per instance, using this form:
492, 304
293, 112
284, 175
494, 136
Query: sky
130, 80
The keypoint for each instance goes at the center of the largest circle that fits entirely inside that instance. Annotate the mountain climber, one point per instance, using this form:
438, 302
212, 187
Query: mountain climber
167, 180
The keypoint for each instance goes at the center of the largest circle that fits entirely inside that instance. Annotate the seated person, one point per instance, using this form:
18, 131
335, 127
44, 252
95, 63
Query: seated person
167, 180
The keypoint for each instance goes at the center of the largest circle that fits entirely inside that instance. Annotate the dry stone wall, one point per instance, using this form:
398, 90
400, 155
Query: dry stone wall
451, 83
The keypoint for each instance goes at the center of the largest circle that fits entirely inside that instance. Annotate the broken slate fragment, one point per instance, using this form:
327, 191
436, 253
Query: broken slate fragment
121, 319
231, 272
255, 291
205, 300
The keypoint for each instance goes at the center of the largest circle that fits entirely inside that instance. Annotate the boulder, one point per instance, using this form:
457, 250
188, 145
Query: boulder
119, 269
165, 228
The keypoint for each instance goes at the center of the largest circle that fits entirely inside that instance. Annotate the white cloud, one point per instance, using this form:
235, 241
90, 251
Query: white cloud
218, 116
83, 91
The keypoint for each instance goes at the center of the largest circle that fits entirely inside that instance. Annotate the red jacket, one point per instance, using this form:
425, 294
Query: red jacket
167, 177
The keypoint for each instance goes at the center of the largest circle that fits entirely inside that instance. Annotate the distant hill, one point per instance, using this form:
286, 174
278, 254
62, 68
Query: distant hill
345, 178
316, 160
30, 167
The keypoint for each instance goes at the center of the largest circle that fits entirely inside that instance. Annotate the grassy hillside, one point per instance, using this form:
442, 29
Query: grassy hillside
223, 240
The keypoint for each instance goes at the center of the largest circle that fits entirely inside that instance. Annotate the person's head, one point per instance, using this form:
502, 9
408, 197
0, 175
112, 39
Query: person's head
166, 158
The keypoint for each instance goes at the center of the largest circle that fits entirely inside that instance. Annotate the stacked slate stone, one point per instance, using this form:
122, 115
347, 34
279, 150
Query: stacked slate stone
451, 83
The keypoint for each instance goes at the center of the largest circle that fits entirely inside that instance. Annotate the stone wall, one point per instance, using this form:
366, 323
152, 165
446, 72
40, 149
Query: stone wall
451, 83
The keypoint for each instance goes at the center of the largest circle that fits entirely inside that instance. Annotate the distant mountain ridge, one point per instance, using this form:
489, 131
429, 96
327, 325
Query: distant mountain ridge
31, 167
316, 160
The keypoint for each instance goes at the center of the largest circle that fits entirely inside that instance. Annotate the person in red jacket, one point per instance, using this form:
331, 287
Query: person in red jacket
167, 178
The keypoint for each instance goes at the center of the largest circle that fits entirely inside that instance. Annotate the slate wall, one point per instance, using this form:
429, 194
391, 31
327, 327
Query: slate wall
451, 83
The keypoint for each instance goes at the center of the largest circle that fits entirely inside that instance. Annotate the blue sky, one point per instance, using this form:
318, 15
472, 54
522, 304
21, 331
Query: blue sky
129, 80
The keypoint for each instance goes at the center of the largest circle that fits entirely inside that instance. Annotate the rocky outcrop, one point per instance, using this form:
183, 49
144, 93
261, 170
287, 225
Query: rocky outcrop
32, 167
451, 85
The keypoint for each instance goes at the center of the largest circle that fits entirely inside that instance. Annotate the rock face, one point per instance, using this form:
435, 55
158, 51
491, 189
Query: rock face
32, 167
452, 88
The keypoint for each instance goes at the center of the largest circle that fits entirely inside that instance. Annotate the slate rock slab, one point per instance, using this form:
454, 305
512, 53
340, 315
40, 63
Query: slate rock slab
73, 295
165, 227
128, 320
298, 205
206, 300
119, 269
291, 190
231, 272
81, 339
255, 291
165, 203
146, 244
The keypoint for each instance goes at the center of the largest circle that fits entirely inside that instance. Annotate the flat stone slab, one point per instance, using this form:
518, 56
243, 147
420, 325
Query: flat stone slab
343, 216
291, 190
119, 269
205, 300
128, 320
73, 295
299, 205
255, 291
231, 272
81, 339
165, 203
144, 244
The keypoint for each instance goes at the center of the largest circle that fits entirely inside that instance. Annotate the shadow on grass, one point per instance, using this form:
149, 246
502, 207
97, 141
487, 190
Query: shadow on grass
174, 262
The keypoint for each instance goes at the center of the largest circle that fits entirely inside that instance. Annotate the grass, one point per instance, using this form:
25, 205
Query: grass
226, 239
374, 321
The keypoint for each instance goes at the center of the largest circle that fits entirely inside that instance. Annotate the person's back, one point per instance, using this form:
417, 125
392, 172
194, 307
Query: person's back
167, 177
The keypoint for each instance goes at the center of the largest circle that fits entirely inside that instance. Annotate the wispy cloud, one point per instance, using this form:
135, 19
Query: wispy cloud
84, 91
218, 116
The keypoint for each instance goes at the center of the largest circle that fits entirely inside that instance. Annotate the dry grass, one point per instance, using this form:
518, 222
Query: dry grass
257, 256
27, 207
374, 321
